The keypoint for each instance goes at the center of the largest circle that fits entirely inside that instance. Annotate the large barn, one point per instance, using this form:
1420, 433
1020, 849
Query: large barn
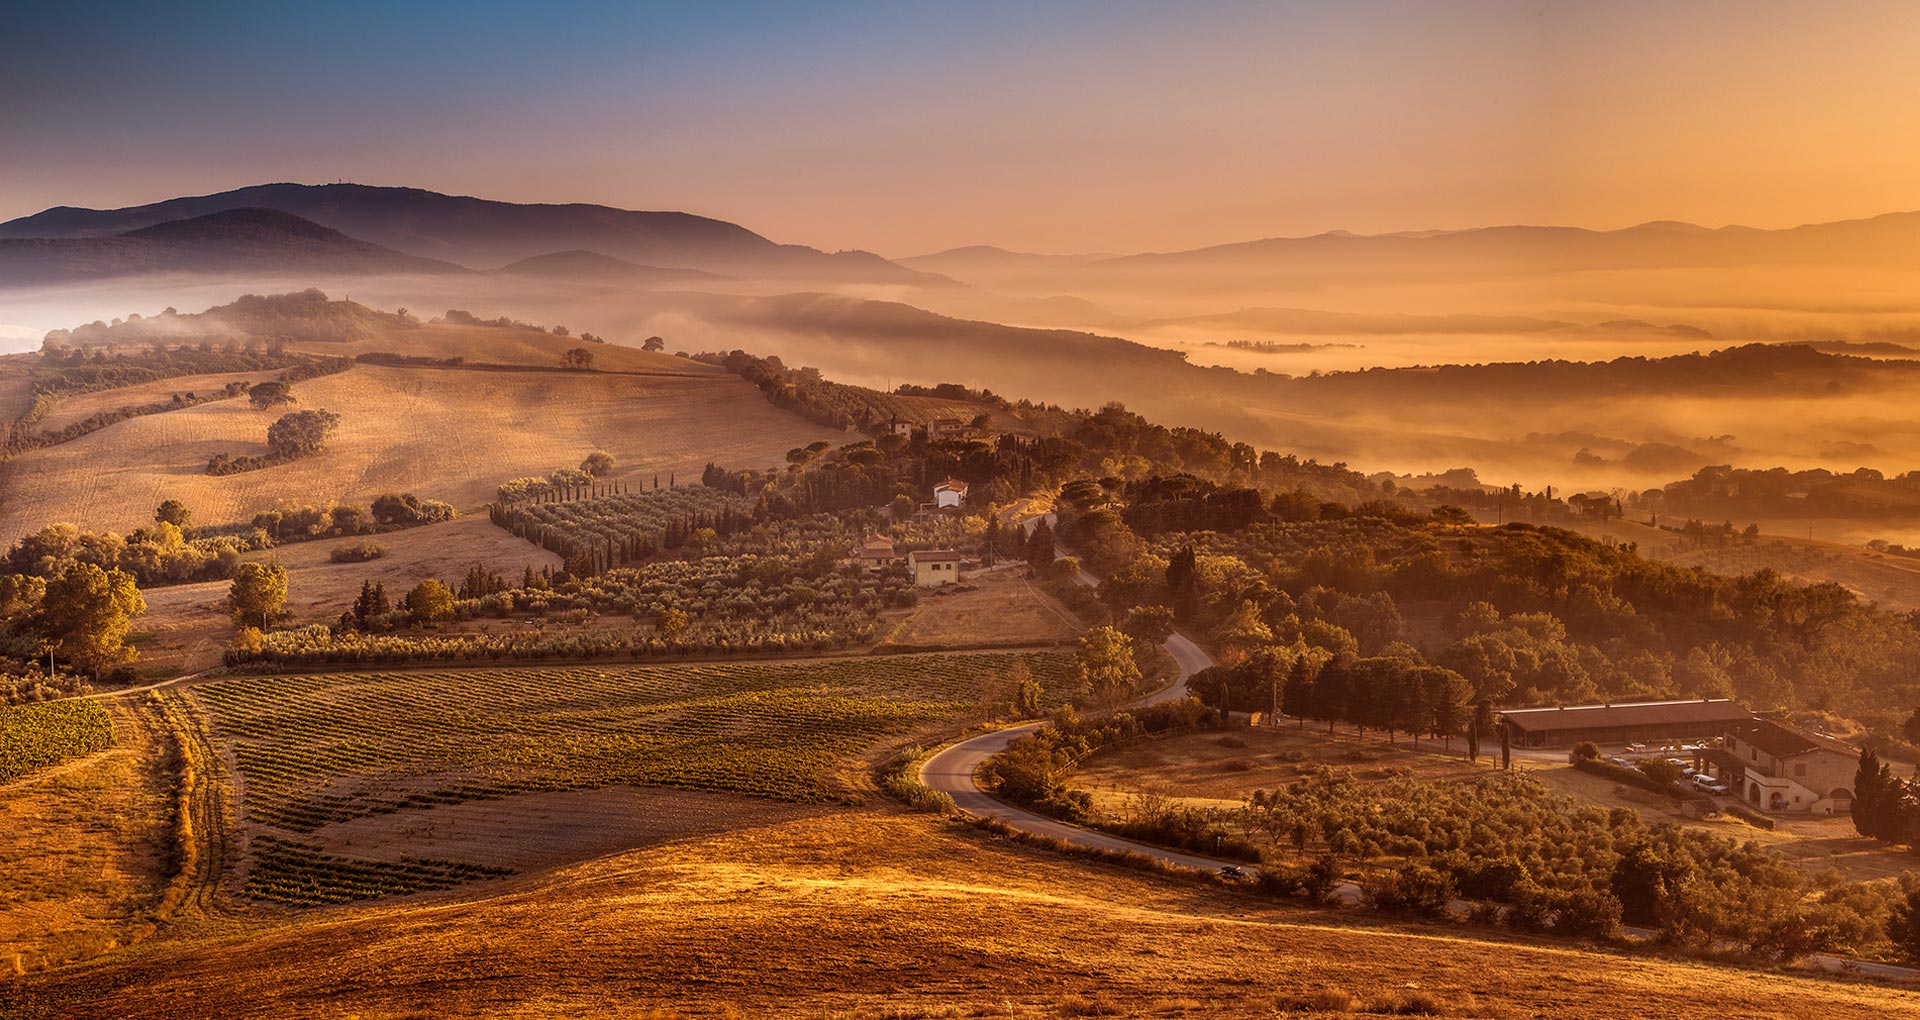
1623, 722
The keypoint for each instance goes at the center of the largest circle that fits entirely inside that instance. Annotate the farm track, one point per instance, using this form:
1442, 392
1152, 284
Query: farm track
204, 829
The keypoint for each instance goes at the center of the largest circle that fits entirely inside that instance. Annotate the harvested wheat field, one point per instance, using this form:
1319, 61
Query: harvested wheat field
81, 406
185, 626
864, 913
1003, 609
449, 434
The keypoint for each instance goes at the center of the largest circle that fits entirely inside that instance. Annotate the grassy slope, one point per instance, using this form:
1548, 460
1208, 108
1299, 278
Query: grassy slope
443, 433
897, 916
186, 626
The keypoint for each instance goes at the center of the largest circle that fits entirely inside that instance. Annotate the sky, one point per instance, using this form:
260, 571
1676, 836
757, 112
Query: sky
905, 128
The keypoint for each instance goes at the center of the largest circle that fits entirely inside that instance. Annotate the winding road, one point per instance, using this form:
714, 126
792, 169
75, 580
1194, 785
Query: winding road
954, 771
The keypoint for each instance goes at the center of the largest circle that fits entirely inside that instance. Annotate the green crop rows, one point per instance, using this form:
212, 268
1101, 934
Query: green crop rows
37, 735
314, 750
295, 873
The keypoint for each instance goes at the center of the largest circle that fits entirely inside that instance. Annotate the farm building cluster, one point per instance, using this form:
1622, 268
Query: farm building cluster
1767, 764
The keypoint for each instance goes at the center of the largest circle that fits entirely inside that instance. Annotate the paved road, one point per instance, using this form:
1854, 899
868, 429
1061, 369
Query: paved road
953, 772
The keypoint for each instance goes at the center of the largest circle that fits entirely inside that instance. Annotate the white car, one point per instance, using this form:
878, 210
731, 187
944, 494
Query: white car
1707, 784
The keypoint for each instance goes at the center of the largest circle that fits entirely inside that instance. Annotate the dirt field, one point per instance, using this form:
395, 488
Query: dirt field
186, 626
876, 914
535, 831
1004, 610
83, 855
443, 434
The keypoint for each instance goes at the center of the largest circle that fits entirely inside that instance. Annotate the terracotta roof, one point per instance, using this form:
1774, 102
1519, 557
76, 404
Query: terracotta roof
933, 554
1643, 713
1787, 742
951, 484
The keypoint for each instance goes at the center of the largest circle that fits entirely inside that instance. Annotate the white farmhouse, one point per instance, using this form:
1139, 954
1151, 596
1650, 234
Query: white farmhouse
951, 492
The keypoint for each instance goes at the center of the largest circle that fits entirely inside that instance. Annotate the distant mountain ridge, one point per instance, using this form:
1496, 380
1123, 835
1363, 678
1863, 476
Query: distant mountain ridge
479, 232
234, 240
1889, 238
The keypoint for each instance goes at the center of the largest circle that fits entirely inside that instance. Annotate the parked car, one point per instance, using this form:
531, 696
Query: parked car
1233, 873
1707, 784
1636, 748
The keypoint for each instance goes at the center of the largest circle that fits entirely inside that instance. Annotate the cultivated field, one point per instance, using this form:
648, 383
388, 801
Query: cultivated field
876, 914
445, 434
316, 754
186, 627
85, 850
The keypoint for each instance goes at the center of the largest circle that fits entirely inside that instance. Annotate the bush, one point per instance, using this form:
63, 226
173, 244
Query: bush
1415, 888
1753, 818
357, 552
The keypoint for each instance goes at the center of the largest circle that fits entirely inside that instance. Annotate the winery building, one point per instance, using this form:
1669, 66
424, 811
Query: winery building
1623, 722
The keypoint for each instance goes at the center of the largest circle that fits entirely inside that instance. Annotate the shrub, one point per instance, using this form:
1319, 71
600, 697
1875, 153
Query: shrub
1753, 818
1415, 888
357, 552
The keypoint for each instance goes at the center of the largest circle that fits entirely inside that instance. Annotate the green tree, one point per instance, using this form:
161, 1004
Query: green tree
87, 612
1040, 550
173, 512
1149, 625
258, 593
598, 463
670, 623
429, 602
1903, 925
1106, 666
1026, 691
653, 343
270, 394
301, 433
579, 357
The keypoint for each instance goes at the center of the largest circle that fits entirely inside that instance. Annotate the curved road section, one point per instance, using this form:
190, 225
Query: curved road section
953, 772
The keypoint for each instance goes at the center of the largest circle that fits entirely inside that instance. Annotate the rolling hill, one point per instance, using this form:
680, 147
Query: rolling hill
242, 240
481, 232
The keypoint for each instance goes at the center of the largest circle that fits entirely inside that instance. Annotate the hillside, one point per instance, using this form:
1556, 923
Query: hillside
450, 433
871, 913
243, 240
480, 232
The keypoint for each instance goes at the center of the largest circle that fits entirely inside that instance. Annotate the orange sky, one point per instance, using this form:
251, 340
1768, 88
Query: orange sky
1054, 127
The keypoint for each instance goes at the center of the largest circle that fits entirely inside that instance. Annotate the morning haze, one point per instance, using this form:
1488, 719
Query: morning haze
1053, 510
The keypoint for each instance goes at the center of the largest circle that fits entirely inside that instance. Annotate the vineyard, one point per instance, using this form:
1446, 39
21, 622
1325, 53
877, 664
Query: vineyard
316, 750
34, 736
295, 873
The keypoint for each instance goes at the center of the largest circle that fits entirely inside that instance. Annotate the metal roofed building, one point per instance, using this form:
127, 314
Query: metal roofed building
1623, 722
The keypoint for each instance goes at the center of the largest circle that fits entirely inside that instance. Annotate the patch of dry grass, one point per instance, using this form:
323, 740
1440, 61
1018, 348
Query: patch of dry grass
444, 434
84, 850
1004, 610
877, 914
186, 627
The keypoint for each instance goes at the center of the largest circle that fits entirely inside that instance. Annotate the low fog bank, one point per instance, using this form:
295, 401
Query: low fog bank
1557, 430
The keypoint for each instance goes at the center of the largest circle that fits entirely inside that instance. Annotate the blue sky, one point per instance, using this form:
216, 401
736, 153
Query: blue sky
905, 127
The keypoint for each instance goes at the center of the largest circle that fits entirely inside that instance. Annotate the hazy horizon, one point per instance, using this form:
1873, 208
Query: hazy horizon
911, 129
